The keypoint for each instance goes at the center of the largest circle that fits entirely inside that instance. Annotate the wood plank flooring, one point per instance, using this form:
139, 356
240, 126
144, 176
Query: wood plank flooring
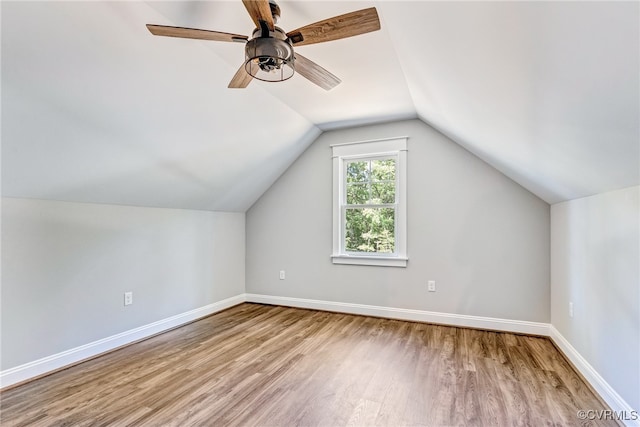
257, 365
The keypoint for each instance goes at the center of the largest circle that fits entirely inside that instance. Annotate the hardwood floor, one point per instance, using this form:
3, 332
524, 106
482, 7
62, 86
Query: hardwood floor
256, 365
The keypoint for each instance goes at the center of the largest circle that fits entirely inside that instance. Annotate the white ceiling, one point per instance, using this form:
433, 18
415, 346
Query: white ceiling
96, 109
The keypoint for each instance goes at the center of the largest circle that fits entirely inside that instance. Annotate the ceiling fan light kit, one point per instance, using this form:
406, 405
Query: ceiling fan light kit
269, 54
270, 58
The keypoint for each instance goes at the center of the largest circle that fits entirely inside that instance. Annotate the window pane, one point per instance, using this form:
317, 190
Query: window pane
370, 230
357, 194
383, 192
383, 170
357, 171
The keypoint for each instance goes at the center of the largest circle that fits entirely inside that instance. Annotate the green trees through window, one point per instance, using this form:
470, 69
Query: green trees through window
370, 208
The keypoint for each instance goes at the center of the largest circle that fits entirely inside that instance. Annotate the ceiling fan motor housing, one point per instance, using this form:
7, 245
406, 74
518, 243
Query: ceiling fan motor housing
269, 58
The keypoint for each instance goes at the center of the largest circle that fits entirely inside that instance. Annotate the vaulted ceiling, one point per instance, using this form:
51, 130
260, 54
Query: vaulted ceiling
96, 109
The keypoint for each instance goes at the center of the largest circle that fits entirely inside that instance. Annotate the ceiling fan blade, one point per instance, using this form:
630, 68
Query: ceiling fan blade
193, 33
241, 79
339, 27
315, 73
259, 10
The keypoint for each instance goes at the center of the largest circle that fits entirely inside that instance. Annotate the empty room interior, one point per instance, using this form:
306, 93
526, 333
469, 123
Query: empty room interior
320, 213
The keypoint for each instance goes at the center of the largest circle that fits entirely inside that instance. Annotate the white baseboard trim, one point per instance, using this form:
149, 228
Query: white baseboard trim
602, 387
489, 323
69, 357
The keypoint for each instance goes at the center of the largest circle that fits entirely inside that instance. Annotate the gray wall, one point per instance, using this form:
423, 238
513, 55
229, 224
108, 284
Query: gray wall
65, 267
482, 237
595, 263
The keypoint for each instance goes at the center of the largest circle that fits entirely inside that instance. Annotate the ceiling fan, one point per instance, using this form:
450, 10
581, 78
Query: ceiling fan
269, 54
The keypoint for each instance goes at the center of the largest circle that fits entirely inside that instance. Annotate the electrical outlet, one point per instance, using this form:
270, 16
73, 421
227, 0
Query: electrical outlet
128, 298
570, 309
431, 285
281, 274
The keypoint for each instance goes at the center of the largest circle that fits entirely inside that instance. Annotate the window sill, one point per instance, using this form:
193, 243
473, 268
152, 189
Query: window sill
380, 261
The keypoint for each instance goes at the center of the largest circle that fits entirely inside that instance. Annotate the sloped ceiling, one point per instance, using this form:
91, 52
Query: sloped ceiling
96, 109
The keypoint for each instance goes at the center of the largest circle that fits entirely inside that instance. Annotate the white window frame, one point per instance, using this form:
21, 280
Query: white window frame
367, 150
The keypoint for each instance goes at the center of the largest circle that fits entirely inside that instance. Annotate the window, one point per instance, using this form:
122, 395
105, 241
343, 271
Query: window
369, 208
